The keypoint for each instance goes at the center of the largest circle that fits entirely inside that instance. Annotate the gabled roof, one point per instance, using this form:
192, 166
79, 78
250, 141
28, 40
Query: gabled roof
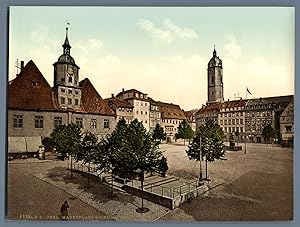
170, 110
91, 101
130, 90
118, 102
30, 90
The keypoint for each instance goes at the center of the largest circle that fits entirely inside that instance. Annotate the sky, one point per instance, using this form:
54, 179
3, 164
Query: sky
162, 51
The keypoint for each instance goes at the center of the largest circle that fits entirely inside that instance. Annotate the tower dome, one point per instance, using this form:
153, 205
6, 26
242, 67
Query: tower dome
215, 60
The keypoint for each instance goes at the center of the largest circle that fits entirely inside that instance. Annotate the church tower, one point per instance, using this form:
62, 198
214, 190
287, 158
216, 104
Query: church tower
215, 79
66, 79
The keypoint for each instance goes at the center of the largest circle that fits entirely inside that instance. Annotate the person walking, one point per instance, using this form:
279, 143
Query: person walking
64, 210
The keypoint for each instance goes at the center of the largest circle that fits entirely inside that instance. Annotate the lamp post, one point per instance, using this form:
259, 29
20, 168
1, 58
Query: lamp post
200, 159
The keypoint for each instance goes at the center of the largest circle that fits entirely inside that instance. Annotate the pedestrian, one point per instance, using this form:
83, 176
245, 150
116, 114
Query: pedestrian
64, 211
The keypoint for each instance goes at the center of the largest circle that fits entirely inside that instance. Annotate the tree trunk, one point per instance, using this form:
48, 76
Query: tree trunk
112, 183
142, 186
71, 169
183, 141
206, 169
89, 174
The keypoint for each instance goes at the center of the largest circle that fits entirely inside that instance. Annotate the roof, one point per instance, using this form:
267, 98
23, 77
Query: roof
212, 107
91, 101
190, 113
170, 110
118, 102
30, 90
234, 103
129, 91
275, 100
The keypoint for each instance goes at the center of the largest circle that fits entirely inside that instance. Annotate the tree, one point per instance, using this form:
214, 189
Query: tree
109, 149
88, 150
158, 133
163, 166
140, 153
212, 147
184, 131
268, 133
66, 140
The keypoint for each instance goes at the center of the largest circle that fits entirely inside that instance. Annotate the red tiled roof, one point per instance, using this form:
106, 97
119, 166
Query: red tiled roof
118, 102
128, 91
212, 107
234, 103
190, 113
91, 101
170, 110
30, 90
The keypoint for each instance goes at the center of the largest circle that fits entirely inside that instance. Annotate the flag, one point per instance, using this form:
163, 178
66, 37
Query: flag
68, 23
248, 91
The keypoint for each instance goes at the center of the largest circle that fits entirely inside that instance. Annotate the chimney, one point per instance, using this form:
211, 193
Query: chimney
241, 98
22, 65
112, 95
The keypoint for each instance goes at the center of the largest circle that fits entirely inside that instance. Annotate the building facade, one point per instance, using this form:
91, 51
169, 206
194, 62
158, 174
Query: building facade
191, 118
155, 116
122, 108
35, 108
287, 125
171, 116
140, 103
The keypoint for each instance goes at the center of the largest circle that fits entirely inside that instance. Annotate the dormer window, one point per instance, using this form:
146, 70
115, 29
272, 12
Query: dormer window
35, 83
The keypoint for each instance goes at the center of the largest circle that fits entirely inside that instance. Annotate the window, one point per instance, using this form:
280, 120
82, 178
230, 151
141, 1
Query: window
241, 121
18, 121
93, 123
229, 122
38, 121
70, 79
62, 90
137, 112
229, 129
146, 122
146, 112
233, 121
76, 102
62, 100
79, 122
241, 129
106, 123
141, 103
237, 129
57, 121
70, 101
225, 122
221, 122
70, 91
62, 80
225, 114
288, 128
225, 130
76, 92
145, 104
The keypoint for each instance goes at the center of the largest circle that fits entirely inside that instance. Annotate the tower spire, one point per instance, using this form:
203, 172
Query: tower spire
215, 52
66, 44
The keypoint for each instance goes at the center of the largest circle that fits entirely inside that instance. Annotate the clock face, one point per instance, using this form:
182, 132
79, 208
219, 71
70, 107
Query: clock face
70, 70
211, 71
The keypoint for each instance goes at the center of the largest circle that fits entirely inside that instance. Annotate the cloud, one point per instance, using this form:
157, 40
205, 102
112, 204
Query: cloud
232, 46
168, 32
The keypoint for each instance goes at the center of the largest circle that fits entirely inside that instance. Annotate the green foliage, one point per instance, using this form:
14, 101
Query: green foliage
268, 132
163, 166
184, 131
212, 146
130, 150
158, 133
66, 140
88, 148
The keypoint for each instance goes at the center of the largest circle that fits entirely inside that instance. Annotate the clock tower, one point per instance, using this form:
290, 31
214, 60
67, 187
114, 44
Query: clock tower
215, 79
66, 79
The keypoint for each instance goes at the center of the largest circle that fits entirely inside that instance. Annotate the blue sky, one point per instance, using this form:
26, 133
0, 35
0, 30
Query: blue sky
162, 51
